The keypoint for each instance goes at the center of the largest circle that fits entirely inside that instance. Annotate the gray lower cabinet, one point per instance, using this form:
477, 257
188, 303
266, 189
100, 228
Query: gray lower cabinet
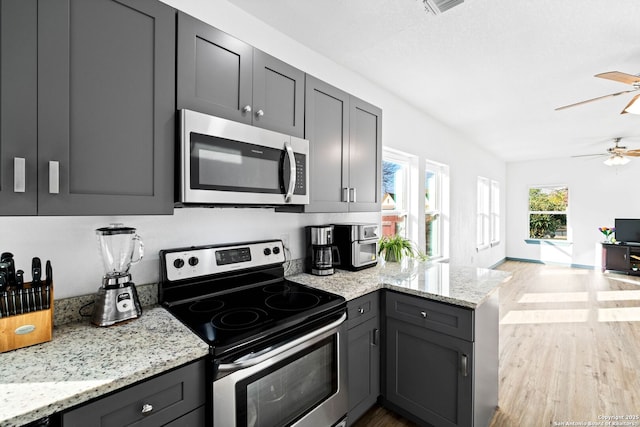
176, 398
441, 361
363, 354
345, 140
225, 77
88, 107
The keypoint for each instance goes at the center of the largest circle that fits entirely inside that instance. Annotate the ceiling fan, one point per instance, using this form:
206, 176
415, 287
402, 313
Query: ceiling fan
617, 155
617, 76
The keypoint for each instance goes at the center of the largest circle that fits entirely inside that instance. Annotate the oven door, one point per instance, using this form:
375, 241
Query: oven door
364, 253
232, 163
300, 383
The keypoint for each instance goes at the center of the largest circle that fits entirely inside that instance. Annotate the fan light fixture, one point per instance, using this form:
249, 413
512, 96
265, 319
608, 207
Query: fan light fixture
633, 107
616, 160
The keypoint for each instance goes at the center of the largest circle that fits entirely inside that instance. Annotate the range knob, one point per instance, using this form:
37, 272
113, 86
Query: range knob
267, 251
193, 261
178, 263
276, 250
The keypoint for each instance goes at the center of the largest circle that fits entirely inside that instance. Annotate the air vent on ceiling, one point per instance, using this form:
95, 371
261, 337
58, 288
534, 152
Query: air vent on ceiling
438, 6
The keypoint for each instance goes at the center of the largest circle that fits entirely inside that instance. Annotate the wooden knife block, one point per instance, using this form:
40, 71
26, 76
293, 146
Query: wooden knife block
23, 330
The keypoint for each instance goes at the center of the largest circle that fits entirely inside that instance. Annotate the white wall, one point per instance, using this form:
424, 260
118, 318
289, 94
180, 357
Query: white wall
69, 242
597, 195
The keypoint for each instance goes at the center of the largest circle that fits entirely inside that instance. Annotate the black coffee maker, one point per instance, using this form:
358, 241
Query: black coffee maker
321, 255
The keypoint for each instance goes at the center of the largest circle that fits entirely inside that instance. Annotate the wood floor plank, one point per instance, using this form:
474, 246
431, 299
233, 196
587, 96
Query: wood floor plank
569, 349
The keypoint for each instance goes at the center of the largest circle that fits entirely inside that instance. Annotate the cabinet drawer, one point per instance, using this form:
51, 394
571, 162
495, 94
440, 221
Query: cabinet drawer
169, 395
362, 309
437, 316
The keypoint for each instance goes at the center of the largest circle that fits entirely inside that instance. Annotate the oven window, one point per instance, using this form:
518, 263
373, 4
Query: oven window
366, 252
286, 391
222, 164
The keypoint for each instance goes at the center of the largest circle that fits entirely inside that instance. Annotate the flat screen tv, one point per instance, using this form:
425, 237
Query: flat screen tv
628, 230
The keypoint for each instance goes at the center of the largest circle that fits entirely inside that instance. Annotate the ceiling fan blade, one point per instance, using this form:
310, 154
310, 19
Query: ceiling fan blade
591, 155
632, 153
619, 77
595, 99
624, 110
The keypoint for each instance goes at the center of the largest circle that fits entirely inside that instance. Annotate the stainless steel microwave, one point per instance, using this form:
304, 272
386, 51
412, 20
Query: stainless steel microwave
230, 163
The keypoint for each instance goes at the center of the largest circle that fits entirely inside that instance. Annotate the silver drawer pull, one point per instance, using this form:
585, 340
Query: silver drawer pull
147, 408
54, 177
465, 365
360, 310
424, 314
19, 174
259, 113
246, 109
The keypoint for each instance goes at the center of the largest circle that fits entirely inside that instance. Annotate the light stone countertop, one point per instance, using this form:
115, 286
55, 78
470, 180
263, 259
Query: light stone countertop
458, 285
83, 361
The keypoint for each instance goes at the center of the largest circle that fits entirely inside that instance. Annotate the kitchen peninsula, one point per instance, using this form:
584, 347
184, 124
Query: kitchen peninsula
460, 313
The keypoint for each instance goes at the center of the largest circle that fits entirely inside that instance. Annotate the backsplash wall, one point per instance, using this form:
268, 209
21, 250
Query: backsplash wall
70, 242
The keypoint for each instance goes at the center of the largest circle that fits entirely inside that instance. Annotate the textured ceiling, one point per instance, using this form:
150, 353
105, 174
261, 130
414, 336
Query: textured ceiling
493, 69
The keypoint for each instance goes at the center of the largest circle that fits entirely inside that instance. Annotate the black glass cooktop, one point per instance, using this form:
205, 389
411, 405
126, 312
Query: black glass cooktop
231, 319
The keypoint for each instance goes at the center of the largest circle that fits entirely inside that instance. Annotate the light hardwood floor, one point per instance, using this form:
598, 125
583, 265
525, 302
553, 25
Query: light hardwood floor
569, 349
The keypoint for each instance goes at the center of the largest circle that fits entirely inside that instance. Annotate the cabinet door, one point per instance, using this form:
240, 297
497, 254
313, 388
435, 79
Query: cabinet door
363, 367
106, 107
616, 258
278, 95
214, 71
327, 129
18, 107
365, 151
428, 374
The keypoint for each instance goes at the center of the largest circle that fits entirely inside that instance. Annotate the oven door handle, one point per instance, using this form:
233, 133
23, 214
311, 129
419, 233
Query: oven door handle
259, 357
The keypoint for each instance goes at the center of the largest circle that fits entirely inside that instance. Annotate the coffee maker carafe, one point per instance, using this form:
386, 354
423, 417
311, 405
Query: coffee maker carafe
321, 249
117, 298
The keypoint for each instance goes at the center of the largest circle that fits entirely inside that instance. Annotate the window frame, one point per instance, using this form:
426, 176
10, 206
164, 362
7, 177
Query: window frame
436, 206
407, 161
494, 212
530, 212
483, 214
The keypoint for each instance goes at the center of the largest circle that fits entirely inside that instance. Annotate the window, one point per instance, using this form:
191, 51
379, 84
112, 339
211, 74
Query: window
488, 221
435, 189
495, 212
395, 193
548, 212
483, 213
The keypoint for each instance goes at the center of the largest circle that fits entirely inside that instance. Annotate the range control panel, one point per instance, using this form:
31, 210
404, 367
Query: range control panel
201, 261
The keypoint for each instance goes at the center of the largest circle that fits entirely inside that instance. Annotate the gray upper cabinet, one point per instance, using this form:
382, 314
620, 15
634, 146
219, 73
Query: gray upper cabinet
103, 112
345, 150
225, 77
18, 107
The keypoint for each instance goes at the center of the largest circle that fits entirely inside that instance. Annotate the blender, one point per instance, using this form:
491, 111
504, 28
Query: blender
117, 298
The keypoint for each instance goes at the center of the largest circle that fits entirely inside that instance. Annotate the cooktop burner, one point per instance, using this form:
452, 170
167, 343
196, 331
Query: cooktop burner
235, 295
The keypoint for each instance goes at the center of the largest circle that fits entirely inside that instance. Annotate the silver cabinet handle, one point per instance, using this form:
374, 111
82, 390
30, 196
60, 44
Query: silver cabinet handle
352, 195
292, 172
259, 113
465, 365
424, 314
54, 177
360, 310
19, 174
376, 337
345, 194
246, 109
146, 409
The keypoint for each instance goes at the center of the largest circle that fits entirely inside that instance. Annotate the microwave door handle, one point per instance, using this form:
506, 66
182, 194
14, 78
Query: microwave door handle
292, 172
272, 352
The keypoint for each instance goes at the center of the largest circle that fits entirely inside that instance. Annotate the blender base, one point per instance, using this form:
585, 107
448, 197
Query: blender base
115, 305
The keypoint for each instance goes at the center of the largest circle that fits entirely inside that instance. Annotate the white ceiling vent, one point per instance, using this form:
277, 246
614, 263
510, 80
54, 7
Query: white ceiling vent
438, 6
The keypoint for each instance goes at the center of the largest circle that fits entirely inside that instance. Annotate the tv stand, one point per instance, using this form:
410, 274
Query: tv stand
621, 258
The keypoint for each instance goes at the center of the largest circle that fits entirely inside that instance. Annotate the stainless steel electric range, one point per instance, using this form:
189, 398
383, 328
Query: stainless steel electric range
278, 348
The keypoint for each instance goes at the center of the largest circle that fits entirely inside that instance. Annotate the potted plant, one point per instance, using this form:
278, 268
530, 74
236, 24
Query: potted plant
394, 248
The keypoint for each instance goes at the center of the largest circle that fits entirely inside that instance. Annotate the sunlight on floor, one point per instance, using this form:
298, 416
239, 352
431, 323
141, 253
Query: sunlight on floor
554, 297
618, 295
626, 314
516, 317
565, 272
